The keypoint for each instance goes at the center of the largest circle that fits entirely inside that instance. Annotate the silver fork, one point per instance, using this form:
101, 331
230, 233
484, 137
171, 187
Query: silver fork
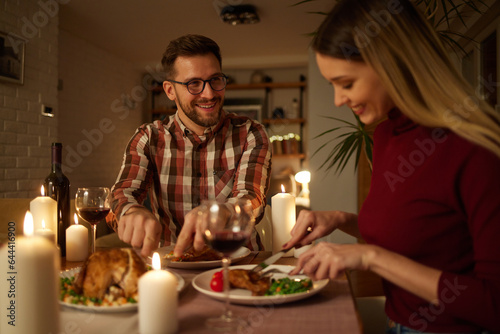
270, 260
272, 271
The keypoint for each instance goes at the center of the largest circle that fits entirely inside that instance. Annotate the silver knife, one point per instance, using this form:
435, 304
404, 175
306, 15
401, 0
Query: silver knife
270, 260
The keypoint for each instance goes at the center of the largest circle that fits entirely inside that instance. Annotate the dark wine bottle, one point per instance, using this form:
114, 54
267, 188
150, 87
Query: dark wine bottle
57, 185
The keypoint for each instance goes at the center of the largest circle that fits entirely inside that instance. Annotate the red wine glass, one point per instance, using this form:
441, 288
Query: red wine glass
92, 205
226, 227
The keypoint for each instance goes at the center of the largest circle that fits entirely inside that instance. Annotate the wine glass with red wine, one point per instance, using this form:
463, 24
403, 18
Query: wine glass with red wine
226, 227
92, 205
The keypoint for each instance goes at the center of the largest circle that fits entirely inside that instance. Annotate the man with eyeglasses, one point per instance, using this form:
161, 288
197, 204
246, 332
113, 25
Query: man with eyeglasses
199, 153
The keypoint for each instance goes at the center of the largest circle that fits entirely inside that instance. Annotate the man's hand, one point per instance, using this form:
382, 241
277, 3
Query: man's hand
140, 228
190, 231
193, 227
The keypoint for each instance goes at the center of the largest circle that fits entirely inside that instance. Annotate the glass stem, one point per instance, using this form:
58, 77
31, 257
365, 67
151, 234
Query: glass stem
226, 261
93, 237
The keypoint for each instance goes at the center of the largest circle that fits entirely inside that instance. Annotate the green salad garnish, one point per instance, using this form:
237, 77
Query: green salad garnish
69, 295
286, 286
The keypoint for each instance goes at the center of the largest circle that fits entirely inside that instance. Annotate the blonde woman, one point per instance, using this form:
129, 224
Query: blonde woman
432, 218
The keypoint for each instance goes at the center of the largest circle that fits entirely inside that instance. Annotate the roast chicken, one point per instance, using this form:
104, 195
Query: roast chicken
246, 279
114, 271
191, 255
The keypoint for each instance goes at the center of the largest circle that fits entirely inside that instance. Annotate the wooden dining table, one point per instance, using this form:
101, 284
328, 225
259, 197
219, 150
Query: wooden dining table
332, 310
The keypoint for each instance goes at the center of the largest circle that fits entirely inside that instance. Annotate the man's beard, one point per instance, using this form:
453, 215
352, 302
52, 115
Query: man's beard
205, 120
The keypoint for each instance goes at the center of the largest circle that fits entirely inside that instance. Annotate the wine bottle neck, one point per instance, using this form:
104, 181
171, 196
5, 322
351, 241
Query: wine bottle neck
56, 157
56, 167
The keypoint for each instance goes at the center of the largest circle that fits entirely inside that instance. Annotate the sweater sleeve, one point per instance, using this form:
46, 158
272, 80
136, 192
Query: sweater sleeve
476, 297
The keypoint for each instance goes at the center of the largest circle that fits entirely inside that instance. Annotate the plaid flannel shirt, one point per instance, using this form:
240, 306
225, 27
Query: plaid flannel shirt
179, 169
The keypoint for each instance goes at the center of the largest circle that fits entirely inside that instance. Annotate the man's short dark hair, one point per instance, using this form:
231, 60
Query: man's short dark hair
188, 46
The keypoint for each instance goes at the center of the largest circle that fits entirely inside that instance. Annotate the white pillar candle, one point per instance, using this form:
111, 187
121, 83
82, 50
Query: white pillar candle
77, 242
283, 219
29, 284
44, 208
158, 301
46, 233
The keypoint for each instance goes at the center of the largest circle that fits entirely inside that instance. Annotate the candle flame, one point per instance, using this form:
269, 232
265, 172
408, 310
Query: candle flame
43, 224
42, 190
76, 219
156, 261
28, 224
282, 188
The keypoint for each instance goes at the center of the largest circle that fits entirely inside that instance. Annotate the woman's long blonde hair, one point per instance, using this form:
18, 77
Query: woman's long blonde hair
402, 47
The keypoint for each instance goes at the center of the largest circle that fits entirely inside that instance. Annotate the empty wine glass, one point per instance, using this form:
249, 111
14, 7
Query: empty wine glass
92, 205
226, 227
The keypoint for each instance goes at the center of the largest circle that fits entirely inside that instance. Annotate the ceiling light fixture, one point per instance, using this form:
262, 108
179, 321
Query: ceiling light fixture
241, 14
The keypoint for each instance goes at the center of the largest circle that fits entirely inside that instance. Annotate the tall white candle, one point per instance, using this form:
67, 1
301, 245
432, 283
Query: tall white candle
283, 219
44, 208
47, 233
77, 242
158, 300
29, 284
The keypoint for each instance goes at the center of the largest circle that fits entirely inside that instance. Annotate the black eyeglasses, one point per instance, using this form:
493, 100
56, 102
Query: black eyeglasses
196, 86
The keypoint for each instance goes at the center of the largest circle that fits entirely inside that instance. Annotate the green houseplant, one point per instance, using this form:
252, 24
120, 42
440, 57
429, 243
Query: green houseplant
349, 140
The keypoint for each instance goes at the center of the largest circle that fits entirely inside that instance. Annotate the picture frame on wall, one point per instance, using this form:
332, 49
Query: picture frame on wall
251, 111
249, 107
12, 49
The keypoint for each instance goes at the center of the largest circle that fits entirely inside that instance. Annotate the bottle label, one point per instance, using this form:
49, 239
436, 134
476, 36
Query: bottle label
56, 153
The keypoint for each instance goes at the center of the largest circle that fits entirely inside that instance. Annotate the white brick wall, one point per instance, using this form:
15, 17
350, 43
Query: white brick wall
94, 125
92, 80
25, 135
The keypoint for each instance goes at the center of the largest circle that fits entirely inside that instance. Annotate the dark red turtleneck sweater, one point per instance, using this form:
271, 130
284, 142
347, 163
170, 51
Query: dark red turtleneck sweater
435, 198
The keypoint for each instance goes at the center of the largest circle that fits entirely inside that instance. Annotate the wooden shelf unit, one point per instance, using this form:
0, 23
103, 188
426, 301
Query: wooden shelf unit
268, 121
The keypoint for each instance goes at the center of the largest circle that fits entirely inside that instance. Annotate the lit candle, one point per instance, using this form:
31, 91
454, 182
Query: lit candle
44, 208
283, 219
77, 242
29, 284
158, 300
46, 233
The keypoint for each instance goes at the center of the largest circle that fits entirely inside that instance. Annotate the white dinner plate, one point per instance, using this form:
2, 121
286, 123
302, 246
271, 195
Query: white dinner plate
242, 296
241, 253
109, 309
